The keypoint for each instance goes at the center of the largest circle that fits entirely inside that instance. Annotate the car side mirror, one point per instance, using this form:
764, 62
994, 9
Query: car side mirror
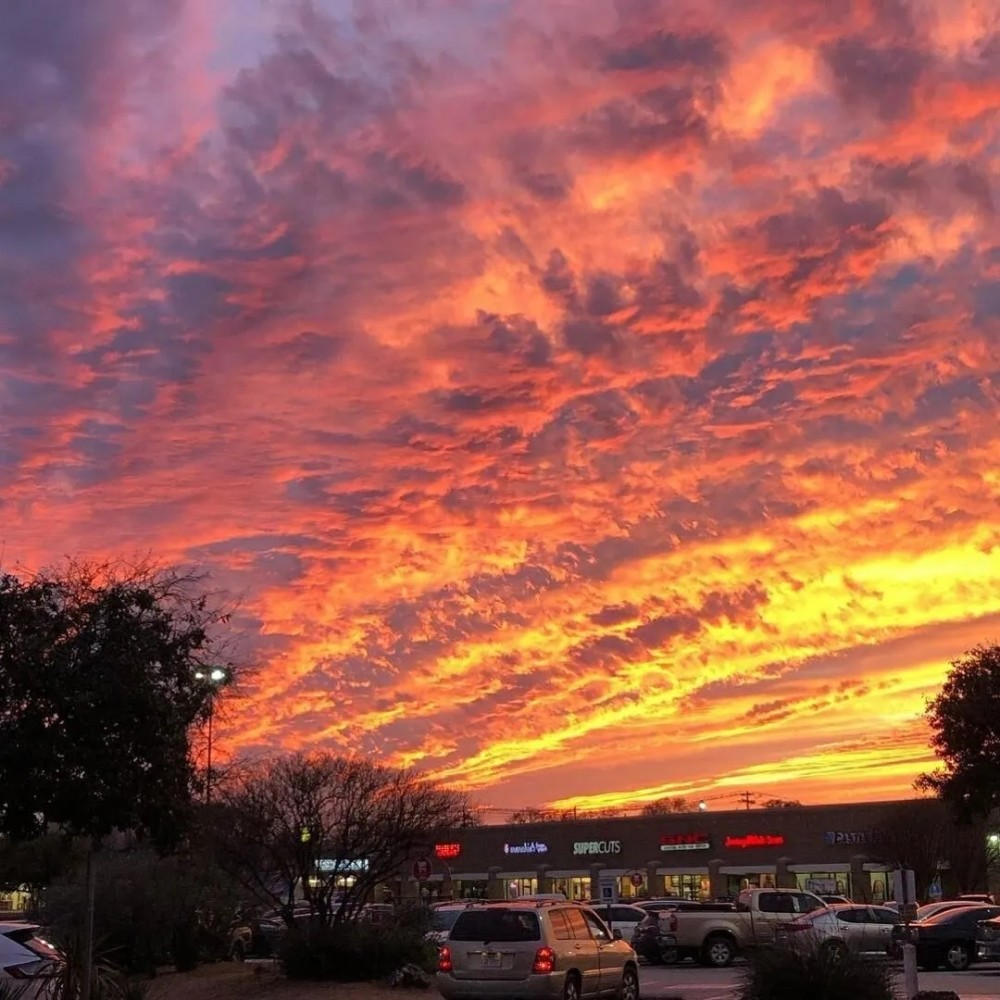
616, 934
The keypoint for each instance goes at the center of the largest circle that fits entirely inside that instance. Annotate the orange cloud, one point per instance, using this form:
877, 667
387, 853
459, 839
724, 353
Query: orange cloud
586, 409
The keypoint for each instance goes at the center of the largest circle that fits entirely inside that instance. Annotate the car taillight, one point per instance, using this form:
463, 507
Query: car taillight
444, 960
545, 961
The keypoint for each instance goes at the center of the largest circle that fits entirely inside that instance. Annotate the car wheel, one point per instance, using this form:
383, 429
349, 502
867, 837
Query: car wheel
719, 952
571, 988
629, 989
957, 956
833, 952
670, 955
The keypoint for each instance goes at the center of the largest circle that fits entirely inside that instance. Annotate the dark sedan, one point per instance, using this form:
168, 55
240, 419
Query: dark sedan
947, 938
988, 940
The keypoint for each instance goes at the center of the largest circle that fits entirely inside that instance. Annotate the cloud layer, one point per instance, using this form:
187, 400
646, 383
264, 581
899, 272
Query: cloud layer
592, 401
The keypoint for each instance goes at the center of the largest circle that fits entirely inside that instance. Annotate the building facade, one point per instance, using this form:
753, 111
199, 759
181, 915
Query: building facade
830, 849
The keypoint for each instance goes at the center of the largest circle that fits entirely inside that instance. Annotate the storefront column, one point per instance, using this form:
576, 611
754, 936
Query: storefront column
654, 881
494, 887
716, 880
783, 878
861, 884
544, 880
595, 882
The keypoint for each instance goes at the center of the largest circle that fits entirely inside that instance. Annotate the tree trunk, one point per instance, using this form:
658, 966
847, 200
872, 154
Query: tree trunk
87, 962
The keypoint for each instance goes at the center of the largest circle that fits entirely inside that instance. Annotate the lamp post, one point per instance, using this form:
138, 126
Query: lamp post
215, 677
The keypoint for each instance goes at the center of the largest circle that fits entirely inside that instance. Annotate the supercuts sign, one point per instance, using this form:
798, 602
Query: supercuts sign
685, 842
756, 840
597, 847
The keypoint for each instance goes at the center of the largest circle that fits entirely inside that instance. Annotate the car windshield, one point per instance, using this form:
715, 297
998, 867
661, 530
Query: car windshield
496, 924
444, 920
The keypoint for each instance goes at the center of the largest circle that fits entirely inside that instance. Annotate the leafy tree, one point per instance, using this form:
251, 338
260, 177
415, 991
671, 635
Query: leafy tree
328, 829
965, 721
36, 864
99, 699
780, 804
662, 807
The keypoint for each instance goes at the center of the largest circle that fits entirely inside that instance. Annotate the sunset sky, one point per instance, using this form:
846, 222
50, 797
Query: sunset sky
590, 400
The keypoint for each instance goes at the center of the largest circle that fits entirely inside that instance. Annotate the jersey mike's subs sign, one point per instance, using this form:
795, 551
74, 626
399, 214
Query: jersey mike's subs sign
755, 840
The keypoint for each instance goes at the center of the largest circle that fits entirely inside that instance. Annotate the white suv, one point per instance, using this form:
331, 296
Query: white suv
535, 951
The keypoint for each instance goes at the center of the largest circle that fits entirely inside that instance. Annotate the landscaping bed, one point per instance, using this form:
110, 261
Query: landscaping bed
250, 980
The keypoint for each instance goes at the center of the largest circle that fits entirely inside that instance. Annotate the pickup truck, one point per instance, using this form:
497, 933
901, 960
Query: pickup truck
715, 938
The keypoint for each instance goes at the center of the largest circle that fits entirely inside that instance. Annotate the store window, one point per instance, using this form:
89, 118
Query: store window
472, 889
825, 883
575, 888
687, 885
881, 886
517, 887
735, 884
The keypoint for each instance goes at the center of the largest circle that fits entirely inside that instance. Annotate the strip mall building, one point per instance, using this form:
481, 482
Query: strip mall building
704, 855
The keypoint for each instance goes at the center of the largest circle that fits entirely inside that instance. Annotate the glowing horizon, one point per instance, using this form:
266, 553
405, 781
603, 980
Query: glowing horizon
589, 402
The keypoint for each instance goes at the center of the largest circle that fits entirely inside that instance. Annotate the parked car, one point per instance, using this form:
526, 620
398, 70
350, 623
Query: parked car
532, 950
830, 900
988, 940
840, 928
676, 903
620, 917
717, 938
654, 939
26, 959
443, 918
947, 938
929, 909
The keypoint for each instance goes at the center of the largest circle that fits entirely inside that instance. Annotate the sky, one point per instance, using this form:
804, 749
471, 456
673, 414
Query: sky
588, 400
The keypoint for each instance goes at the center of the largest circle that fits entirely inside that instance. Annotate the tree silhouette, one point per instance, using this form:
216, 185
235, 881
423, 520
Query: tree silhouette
965, 720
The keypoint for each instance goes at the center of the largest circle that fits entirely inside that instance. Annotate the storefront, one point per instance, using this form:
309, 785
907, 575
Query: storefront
831, 850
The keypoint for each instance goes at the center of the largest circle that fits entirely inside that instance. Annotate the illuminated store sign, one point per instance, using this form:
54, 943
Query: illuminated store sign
597, 847
833, 837
685, 842
756, 840
447, 851
341, 866
528, 847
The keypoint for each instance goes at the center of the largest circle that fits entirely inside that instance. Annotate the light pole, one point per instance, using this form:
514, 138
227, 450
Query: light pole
215, 677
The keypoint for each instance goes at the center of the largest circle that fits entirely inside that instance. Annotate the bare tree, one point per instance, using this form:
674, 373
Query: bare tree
973, 858
671, 804
327, 829
915, 835
532, 815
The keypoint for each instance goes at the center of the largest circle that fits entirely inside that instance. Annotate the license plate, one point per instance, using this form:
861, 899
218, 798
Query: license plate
491, 960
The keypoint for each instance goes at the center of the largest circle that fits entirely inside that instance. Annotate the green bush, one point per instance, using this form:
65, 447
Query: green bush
355, 952
783, 974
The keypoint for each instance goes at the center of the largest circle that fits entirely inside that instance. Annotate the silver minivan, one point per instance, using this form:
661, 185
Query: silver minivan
542, 949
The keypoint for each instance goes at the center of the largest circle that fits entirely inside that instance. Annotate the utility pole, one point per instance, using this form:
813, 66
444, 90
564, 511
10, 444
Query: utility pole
748, 798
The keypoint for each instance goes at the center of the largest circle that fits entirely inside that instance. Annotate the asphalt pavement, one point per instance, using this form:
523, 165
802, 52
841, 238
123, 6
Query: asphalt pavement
691, 982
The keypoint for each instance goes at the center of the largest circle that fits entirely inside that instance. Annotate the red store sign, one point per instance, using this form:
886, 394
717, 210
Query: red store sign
756, 840
685, 842
447, 851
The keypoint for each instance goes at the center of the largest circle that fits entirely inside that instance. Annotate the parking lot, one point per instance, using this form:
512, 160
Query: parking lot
691, 982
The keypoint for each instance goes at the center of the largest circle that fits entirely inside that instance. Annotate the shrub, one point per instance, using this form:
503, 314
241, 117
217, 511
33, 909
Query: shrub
784, 974
354, 952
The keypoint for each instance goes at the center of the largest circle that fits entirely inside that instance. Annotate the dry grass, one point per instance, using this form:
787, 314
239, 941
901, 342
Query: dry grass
250, 981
